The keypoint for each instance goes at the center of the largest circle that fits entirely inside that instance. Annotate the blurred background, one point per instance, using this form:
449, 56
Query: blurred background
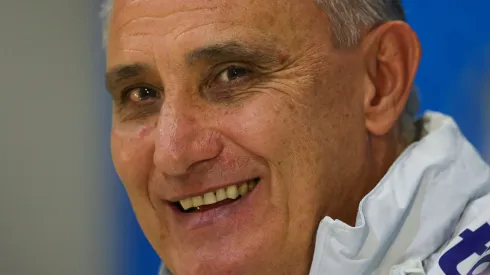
62, 207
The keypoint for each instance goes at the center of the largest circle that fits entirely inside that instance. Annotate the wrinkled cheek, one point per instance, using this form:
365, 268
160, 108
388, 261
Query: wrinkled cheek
132, 152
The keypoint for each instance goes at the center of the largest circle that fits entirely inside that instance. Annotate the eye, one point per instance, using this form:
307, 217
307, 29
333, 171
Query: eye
232, 73
141, 94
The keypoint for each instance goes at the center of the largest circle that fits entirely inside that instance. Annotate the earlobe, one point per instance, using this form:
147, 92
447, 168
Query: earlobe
392, 54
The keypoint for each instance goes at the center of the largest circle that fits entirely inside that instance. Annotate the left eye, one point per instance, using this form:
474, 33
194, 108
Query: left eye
232, 73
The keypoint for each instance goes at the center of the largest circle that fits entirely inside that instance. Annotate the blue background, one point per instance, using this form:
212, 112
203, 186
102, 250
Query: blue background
455, 37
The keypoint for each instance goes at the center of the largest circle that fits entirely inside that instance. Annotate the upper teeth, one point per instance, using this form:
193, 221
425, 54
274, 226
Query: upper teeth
230, 192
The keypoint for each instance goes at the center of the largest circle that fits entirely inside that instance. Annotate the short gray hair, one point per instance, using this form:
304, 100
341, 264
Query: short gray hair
348, 18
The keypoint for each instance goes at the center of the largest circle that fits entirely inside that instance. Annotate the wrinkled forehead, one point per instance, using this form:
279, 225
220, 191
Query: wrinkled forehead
176, 25
176, 10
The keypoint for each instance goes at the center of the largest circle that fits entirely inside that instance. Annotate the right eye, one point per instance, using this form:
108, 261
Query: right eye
141, 95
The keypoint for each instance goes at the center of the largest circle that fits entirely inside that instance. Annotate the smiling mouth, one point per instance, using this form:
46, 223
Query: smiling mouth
217, 197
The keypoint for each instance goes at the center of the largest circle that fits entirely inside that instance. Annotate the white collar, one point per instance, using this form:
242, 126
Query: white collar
405, 201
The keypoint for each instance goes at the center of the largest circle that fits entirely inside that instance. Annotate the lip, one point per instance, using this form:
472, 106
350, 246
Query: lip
209, 189
239, 210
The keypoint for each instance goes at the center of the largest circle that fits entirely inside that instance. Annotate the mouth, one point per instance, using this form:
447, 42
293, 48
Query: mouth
216, 198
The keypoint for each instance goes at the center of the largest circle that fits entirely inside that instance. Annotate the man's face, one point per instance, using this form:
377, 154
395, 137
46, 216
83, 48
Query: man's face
219, 93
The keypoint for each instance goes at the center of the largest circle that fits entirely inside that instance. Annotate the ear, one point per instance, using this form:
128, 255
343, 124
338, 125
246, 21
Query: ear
391, 54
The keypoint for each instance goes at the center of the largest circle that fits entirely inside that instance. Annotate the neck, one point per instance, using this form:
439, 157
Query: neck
382, 152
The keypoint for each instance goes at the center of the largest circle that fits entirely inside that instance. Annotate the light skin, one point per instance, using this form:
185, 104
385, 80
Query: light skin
208, 93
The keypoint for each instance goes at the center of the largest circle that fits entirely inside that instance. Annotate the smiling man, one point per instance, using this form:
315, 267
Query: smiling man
278, 137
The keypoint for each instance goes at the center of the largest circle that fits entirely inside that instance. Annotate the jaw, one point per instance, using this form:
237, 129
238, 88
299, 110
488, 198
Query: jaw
242, 252
264, 244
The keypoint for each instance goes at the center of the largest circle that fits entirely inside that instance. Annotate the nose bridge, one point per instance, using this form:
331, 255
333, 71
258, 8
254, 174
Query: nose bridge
182, 138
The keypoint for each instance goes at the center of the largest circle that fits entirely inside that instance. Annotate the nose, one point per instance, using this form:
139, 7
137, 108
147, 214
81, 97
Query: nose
182, 139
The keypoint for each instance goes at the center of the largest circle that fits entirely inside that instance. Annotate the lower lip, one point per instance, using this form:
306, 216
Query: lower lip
231, 212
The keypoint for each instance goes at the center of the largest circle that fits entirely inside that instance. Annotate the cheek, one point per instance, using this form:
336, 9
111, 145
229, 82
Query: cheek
271, 129
258, 126
307, 142
132, 153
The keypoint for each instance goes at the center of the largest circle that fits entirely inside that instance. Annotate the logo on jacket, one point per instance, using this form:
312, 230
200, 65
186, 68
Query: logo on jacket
473, 242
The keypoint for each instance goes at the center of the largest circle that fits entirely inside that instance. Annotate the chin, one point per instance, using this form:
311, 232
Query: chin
239, 261
241, 252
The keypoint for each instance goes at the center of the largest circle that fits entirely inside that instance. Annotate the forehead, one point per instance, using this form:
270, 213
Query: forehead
141, 28
195, 12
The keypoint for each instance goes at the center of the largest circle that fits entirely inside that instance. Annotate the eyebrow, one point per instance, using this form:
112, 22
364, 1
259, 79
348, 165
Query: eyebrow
125, 72
233, 51
215, 53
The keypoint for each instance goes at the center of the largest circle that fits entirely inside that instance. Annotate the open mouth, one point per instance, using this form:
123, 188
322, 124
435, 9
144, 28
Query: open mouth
217, 197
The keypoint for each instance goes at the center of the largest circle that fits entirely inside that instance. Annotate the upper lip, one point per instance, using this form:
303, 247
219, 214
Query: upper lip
201, 192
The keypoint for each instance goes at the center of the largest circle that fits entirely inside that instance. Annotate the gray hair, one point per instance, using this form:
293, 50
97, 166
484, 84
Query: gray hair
348, 18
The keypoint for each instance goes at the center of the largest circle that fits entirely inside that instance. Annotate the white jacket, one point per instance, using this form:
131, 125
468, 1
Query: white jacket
430, 214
